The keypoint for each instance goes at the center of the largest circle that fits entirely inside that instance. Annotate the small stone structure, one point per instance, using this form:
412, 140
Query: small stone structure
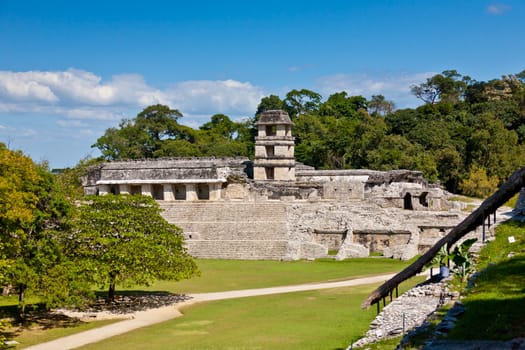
277, 208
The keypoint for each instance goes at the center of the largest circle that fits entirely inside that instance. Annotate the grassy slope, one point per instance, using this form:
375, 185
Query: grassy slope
325, 319
496, 303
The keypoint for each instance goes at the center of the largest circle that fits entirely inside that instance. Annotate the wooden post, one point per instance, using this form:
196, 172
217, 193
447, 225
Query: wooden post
483, 232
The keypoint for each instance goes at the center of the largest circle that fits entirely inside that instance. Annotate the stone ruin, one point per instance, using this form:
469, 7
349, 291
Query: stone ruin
276, 208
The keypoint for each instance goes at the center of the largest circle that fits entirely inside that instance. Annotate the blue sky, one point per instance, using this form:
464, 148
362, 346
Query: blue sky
71, 69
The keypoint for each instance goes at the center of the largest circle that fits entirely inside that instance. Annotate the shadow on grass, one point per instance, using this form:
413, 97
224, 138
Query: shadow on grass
129, 301
36, 317
129, 293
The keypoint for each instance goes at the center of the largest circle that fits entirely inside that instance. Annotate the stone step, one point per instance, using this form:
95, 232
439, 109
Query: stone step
236, 230
223, 211
238, 249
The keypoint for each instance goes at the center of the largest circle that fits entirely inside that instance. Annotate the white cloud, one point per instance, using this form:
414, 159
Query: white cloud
216, 96
72, 123
394, 86
498, 9
22, 87
78, 94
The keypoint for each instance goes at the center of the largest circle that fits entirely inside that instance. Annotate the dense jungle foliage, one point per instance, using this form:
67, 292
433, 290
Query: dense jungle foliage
468, 135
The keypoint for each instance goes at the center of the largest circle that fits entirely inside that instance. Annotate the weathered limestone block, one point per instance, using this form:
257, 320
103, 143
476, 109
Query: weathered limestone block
352, 250
406, 250
402, 252
343, 190
236, 191
313, 251
293, 251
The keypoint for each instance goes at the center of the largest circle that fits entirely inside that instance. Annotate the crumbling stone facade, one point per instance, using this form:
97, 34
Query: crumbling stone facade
276, 208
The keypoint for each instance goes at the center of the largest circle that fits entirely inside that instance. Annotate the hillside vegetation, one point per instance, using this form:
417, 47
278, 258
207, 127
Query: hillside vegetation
496, 299
467, 134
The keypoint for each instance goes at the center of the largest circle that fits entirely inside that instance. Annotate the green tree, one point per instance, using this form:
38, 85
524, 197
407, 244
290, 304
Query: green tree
144, 135
33, 215
311, 140
396, 152
478, 183
123, 239
494, 148
380, 106
301, 101
341, 105
445, 87
159, 121
125, 142
221, 125
269, 103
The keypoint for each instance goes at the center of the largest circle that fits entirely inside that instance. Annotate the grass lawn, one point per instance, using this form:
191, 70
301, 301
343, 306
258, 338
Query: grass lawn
496, 303
223, 275
37, 334
323, 319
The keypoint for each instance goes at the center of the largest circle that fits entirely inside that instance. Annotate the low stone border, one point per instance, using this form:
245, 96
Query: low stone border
408, 312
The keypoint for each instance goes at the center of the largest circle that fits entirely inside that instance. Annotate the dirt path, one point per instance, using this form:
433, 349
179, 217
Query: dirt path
153, 316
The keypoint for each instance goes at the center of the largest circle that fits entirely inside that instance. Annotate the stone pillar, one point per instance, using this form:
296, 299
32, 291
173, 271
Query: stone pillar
215, 192
146, 190
168, 193
191, 192
124, 189
104, 189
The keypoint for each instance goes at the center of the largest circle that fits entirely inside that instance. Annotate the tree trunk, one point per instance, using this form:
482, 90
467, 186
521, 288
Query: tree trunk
111, 292
21, 302
476, 218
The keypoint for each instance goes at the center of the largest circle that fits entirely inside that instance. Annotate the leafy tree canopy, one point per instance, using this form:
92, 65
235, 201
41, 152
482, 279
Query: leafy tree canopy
123, 239
34, 214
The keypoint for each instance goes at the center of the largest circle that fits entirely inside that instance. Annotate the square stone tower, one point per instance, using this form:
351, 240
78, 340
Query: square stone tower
274, 147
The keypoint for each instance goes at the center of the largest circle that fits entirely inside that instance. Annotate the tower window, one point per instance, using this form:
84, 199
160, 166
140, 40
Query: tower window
269, 173
271, 130
270, 151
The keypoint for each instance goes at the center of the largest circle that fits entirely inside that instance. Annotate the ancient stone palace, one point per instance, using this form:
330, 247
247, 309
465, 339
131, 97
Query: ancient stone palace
276, 208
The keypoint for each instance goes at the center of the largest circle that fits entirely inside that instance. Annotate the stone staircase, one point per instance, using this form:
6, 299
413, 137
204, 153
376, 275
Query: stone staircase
231, 229
242, 250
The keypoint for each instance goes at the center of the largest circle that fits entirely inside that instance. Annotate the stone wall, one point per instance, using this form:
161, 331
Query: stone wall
225, 214
166, 170
231, 229
302, 229
362, 228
